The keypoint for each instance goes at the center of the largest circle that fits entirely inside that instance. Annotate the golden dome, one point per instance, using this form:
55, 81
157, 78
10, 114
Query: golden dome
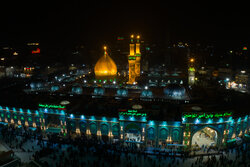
105, 67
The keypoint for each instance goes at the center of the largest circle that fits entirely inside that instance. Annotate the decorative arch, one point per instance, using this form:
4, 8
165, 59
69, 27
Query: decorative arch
115, 130
15, 117
104, 129
93, 128
22, 119
30, 120
231, 131
238, 129
151, 133
72, 125
83, 126
219, 132
176, 135
163, 134
133, 126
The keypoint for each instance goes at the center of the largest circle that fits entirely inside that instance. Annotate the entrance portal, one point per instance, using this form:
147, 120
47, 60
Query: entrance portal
133, 135
205, 137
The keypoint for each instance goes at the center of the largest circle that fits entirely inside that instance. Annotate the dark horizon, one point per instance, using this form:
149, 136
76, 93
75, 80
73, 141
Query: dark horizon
64, 26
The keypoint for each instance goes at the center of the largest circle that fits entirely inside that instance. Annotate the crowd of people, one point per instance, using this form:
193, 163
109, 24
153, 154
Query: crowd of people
80, 151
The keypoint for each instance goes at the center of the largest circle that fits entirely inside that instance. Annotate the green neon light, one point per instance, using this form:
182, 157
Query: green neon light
133, 113
207, 115
51, 106
120, 38
138, 55
131, 58
191, 69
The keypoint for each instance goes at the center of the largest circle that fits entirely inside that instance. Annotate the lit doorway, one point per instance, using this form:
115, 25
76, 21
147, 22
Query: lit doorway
205, 137
133, 135
133, 138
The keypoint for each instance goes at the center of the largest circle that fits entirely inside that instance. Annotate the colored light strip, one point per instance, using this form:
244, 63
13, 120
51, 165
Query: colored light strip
52, 106
133, 113
131, 58
207, 115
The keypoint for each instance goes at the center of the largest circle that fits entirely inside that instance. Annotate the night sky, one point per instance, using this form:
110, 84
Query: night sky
94, 23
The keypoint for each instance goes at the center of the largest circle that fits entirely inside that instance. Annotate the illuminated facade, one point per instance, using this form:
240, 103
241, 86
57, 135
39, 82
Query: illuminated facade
130, 125
134, 59
105, 67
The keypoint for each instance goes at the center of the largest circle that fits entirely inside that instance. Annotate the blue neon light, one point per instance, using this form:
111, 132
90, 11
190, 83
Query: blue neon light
151, 123
221, 120
164, 123
197, 121
209, 121
132, 118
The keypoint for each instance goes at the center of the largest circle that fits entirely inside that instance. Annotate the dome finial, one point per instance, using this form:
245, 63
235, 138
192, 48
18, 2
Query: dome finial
105, 51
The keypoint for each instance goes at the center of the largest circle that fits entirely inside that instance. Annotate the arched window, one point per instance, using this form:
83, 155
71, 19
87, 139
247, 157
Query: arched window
151, 133
93, 128
104, 129
176, 135
83, 127
115, 130
163, 134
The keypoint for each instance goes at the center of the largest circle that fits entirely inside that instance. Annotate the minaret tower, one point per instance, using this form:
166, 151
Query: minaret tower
131, 61
138, 57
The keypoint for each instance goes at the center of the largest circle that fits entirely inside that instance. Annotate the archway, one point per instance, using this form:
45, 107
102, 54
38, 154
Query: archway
133, 135
205, 137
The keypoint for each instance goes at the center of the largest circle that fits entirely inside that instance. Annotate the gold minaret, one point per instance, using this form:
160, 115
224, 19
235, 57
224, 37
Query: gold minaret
131, 61
138, 57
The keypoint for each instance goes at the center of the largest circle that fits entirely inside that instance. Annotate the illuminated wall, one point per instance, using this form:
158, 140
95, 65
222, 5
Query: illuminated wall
154, 133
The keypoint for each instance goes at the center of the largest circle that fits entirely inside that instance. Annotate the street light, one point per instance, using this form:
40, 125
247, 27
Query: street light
192, 60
